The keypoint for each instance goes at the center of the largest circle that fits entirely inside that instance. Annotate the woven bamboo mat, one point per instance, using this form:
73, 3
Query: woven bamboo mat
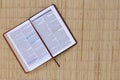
96, 27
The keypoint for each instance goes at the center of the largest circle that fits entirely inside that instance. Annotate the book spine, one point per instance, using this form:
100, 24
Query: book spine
45, 44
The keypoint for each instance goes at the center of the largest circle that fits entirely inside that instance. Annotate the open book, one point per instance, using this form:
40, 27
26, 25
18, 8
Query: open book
39, 37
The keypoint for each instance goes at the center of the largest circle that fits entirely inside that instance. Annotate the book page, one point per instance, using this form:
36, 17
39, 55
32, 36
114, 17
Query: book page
53, 31
29, 45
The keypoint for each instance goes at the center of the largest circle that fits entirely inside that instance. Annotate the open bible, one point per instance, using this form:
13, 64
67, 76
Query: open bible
40, 38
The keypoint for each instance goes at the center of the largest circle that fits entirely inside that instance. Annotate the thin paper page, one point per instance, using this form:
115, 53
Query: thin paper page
29, 45
53, 31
